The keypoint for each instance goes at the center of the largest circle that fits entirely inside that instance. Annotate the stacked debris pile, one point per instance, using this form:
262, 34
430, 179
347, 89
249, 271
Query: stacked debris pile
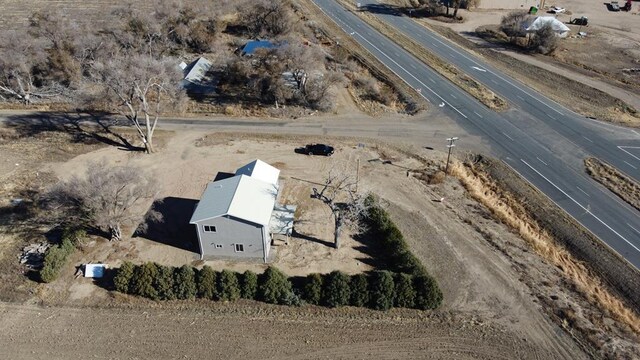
33, 255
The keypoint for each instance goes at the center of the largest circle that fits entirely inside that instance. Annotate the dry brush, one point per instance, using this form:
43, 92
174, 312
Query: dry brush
508, 210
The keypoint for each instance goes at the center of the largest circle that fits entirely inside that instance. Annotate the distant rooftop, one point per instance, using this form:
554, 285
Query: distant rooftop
250, 47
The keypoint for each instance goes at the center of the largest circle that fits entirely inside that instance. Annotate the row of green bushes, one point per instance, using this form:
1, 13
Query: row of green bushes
389, 243
56, 256
379, 290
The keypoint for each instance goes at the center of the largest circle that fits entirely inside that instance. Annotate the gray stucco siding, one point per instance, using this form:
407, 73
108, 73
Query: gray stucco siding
229, 232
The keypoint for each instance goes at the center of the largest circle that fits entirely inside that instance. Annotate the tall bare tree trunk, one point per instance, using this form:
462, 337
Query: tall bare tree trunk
455, 9
336, 232
116, 232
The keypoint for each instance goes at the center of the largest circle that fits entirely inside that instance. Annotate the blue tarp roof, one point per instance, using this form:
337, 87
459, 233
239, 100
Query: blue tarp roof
253, 45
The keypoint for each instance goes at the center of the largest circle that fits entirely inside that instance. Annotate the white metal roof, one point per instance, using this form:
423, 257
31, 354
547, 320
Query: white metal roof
540, 21
260, 170
241, 196
94, 270
197, 70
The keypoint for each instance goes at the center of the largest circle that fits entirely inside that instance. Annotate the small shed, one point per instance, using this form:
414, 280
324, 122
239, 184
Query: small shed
196, 79
94, 270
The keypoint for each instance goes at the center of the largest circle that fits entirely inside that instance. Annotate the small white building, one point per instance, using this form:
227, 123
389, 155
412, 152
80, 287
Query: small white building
196, 79
536, 23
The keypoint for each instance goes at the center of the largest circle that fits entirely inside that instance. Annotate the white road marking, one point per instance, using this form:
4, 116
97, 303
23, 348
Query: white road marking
630, 165
480, 116
505, 134
410, 74
435, 45
493, 81
478, 68
551, 116
634, 229
335, 20
498, 76
629, 147
542, 161
433, 81
398, 55
587, 211
584, 192
589, 140
453, 96
413, 66
635, 132
520, 97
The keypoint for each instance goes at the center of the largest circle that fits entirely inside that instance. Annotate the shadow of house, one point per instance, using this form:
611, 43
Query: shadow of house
174, 230
223, 175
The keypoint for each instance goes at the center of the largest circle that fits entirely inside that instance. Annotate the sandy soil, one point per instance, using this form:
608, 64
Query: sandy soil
239, 331
481, 286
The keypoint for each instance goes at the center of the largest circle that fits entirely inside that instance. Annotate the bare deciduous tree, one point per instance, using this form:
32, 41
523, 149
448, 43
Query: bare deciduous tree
317, 90
18, 59
104, 197
545, 40
512, 24
62, 38
140, 88
433, 7
346, 205
456, 7
300, 60
267, 17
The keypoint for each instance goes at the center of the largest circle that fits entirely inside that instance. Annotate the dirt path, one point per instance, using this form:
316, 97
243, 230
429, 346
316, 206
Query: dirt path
246, 331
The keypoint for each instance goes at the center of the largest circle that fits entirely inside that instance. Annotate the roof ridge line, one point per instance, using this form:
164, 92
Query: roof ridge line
235, 191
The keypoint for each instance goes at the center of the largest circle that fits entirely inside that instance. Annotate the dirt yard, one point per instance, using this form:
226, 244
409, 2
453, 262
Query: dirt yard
491, 309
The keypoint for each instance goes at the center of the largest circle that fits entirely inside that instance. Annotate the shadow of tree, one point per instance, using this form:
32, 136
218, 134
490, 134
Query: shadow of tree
387, 9
314, 239
84, 128
410, 11
174, 228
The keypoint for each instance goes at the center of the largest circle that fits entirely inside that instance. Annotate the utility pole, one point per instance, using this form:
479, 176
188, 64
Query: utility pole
450, 146
357, 174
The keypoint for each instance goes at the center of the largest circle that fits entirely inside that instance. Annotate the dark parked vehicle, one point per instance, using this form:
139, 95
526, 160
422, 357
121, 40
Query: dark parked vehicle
318, 149
614, 6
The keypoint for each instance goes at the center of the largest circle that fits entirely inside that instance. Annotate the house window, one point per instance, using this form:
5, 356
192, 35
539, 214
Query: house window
239, 247
218, 246
209, 228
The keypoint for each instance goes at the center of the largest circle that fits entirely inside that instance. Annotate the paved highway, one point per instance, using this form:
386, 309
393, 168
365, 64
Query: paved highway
538, 138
